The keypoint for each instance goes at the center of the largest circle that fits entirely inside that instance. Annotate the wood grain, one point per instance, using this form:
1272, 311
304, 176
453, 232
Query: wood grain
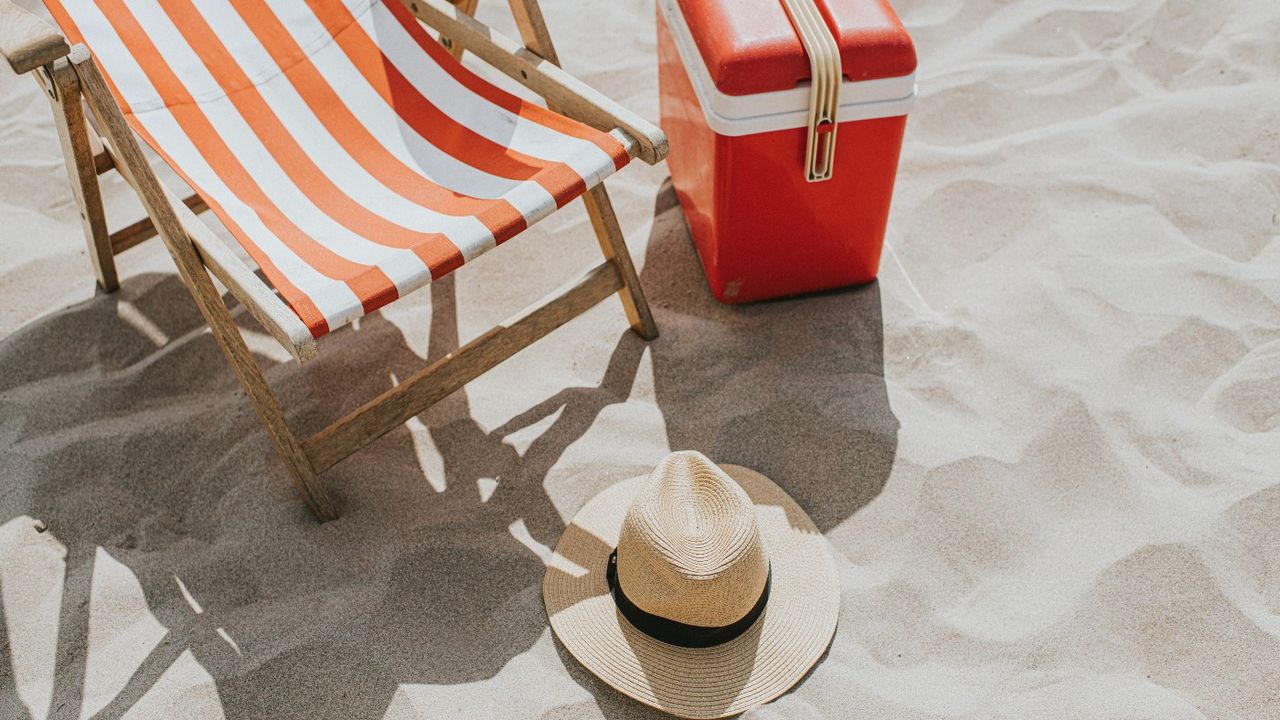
614, 247
77, 155
26, 41
441, 378
137, 233
533, 29
467, 7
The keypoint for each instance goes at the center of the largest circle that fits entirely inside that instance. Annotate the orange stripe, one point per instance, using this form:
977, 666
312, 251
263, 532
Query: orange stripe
505, 100
74, 36
432, 248
498, 216
299, 301
302, 304
369, 283
420, 113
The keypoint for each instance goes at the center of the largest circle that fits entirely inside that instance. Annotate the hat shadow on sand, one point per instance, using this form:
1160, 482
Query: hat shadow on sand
792, 388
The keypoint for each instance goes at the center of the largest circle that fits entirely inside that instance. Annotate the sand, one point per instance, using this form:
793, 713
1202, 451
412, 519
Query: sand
1045, 445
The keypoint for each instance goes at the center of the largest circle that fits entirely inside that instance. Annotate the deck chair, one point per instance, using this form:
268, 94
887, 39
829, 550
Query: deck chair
350, 154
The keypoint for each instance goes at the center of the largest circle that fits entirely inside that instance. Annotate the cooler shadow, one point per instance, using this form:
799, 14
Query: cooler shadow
422, 580
792, 388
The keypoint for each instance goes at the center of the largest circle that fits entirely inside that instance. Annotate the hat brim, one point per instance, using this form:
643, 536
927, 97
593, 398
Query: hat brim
772, 656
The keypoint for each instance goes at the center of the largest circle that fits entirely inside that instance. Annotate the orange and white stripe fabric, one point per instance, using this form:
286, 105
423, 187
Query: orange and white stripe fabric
350, 155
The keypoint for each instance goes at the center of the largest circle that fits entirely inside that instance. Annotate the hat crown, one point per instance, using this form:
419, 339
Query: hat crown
690, 549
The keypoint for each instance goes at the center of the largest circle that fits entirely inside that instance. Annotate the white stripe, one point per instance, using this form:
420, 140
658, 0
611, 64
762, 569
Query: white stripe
532, 200
364, 189
334, 299
405, 269
467, 107
417, 151
475, 112
409, 146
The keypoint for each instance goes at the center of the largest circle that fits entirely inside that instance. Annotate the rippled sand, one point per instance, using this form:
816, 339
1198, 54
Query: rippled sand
1046, 445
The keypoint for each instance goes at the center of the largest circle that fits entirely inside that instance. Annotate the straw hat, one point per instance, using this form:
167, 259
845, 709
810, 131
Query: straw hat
701, 590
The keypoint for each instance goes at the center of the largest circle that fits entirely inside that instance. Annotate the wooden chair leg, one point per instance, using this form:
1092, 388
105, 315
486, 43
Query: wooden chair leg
263, 400
133, 165
614, 246
63, 88
536, 37
268, 408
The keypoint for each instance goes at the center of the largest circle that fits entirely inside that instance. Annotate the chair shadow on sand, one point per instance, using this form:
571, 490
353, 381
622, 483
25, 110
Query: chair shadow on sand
173, 476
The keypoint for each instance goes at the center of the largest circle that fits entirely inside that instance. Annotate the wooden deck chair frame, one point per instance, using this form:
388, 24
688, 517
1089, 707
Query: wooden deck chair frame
69, 75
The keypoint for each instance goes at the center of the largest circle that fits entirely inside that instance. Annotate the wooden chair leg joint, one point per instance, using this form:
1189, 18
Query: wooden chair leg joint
143, 230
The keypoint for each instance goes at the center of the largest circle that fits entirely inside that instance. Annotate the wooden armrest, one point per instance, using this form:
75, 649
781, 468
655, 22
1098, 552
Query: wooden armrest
567, 94
26, 41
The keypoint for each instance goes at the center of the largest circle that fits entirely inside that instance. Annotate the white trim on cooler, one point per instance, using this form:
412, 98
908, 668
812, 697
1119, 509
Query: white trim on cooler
735, 115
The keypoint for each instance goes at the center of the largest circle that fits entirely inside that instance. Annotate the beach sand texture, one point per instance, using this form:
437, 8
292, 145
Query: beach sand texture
1045, 445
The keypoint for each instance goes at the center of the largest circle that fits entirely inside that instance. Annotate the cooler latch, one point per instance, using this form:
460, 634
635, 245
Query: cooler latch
824, 100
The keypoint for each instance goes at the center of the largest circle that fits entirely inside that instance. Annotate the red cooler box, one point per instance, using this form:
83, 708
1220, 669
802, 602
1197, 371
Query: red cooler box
740, 108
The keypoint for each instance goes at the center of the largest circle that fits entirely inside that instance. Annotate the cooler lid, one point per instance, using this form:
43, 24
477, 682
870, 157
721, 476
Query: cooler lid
750, 46
751, 75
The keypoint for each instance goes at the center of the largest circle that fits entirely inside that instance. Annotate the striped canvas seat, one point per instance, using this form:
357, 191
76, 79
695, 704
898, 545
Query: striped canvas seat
350, 155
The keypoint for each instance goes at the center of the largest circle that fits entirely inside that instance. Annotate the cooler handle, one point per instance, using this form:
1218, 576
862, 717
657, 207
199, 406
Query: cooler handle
824, 99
